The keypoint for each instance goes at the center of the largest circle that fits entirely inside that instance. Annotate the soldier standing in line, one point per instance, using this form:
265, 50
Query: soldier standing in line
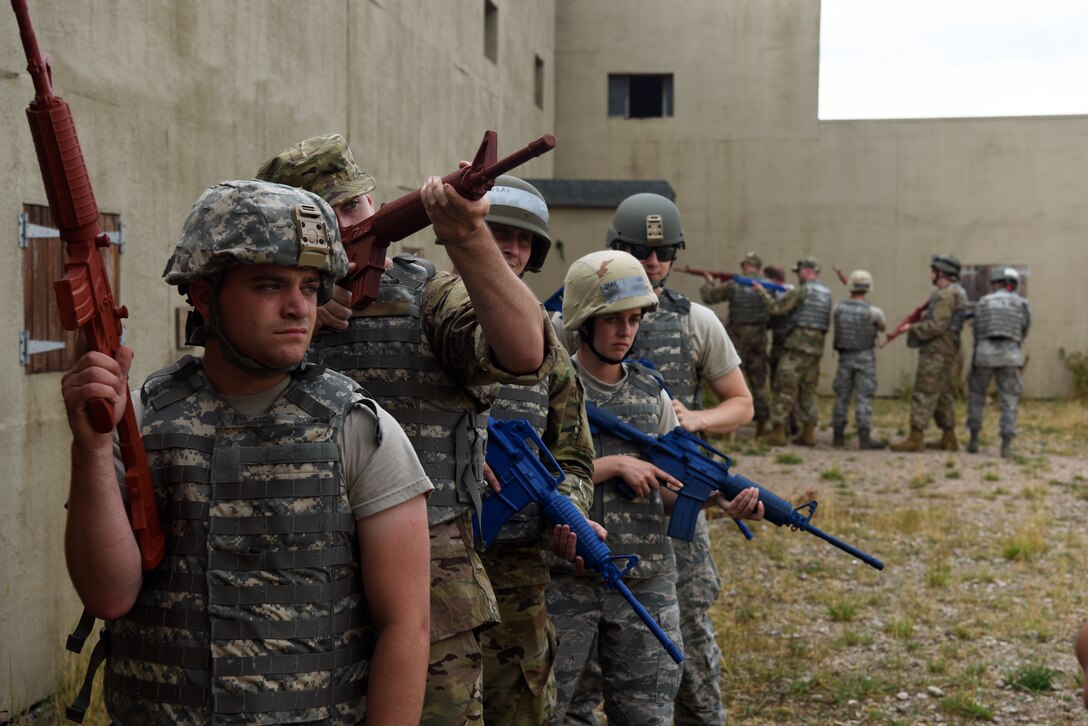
937, 337
1002, 319
808, 307
857, 323
294, 586
606, 294
429, 350
519, 652
747, 328
777, 325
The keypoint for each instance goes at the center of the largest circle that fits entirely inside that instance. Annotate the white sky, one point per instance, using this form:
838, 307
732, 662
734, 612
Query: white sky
953, 58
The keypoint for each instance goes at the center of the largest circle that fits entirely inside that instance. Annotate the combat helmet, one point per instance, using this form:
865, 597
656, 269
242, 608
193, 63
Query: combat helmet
946, 264
860, 281
1007, 275
517, 203
604, 282
250, 222
646, 219
322, 164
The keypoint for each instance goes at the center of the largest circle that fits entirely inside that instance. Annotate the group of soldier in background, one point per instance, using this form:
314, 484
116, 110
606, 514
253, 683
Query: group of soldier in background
800, 317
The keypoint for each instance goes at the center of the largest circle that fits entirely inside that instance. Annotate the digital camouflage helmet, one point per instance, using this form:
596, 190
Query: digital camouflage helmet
517, 203
1005, 275
646, 219
604, 282
946, 264
322, 164
860, 281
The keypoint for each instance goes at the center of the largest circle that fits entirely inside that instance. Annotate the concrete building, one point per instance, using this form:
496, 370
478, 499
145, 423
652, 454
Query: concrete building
713, 100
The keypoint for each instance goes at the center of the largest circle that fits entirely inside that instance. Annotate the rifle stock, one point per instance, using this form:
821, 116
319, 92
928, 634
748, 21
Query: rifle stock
913, 317
84, 298
367, 241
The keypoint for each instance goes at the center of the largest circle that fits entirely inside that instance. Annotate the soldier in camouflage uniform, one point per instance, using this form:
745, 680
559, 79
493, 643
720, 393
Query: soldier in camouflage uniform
294, 584
937, 337
857, 323
747, 328
808, 311
519, 652
1002, 319
430, 350
606, 294
777, 325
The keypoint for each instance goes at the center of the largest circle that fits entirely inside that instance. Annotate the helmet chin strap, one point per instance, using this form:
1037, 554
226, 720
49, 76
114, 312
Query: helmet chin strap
244, 363
587, 335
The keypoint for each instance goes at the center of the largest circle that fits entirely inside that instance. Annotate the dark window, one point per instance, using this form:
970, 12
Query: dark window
976, 280
538, 82
491, 31
640, 96
44, 345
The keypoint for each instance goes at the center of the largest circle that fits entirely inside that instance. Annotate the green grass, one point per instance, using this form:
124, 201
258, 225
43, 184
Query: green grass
789, 459
966, 707
1032, 677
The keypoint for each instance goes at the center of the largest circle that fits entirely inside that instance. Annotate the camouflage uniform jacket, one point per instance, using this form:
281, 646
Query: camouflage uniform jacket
746, 306
935, 332
257, 614
804, 340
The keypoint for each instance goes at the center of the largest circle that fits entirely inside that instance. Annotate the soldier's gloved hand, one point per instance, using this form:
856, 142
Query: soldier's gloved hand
564, 543
454, 218
336, 313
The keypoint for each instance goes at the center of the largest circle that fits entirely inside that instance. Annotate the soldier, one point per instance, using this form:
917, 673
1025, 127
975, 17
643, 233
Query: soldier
606, 294
429, 350
777, 325
1002, 319
857, 323
747, 328
296, 564
519, 653
808, 311
937, 337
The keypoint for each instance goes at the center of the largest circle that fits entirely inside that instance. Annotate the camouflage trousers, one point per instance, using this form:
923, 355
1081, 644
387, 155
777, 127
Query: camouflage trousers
1009, 387
751, 344
856, 374
519, 653
795, 383
639, 679
933, 392
462, 601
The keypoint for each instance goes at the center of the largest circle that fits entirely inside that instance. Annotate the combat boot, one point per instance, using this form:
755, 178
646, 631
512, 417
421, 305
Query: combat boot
1006, 447
947, 442
972, 443
866, 443
777, 436
807, 437
914, 442
838, 436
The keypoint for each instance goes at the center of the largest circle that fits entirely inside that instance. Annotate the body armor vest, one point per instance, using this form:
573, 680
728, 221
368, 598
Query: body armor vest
814, 311
664, 338
387, 351
635, 526
257, 613
854, 329
959, 315
1001, 314
532, 404
746, 306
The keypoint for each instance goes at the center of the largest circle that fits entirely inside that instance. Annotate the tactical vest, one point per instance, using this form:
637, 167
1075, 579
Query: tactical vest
257, 613
746, 306
814, 311
959, 315
1001, 314
635, 526
854, 329
530, 403
387, 351
664, 338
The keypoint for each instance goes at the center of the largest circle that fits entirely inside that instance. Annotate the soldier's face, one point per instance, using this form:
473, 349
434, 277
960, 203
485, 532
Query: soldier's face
515, 244
614, 333
354, 211
267, 312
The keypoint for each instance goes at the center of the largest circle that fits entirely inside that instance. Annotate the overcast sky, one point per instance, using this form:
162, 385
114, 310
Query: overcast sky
953, 58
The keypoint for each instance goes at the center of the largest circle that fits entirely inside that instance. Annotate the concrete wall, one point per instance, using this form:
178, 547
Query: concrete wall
170, 97
754, 169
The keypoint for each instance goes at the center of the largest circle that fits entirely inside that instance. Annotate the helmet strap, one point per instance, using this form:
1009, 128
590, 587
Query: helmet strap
244, 363
586, 333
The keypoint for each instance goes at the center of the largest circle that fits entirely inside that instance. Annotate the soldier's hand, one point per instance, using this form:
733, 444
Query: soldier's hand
95, 375
492, 480
564, 543
643, 477
689, 420
745, 505
336, 313
904, 327
454, 218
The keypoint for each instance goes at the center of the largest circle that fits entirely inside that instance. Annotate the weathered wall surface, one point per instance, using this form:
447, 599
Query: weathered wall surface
754, 169
171, 97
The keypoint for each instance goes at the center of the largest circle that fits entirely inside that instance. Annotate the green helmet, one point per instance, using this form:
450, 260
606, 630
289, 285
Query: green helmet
250, 222
946, 264
860, 281
646, 219
517, 203
604, 282
752, 259
810, 262
323, 165
1007, 275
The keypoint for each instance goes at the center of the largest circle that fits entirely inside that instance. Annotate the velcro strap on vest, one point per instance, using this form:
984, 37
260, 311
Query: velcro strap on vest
471, 445
347, 361
227, 461
192, 696
176, 474
308, 403
194, 656
284, 560
227, 703
279, 594
162, 618
286, 524
383, 334
262, 665
78, 708
314, 486
155, 442
296, 629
